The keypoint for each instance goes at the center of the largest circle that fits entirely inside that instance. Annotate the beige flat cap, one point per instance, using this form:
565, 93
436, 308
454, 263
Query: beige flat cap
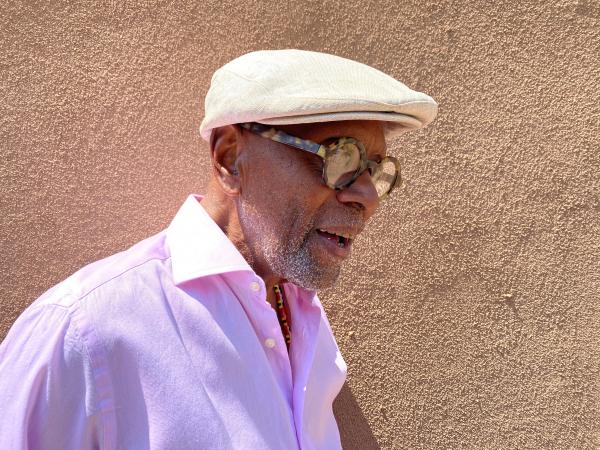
279, 87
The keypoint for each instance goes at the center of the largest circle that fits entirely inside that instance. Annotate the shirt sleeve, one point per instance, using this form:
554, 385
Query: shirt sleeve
46, 384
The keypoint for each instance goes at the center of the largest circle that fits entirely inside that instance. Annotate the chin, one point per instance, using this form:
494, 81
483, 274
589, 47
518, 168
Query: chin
316, 279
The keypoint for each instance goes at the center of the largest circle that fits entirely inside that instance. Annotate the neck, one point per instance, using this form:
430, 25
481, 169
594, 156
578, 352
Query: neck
222, 209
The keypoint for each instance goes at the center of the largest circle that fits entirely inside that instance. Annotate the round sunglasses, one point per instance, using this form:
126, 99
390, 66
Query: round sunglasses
344, 159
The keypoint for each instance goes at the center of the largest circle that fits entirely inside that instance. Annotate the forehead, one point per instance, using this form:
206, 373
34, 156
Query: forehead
369, 132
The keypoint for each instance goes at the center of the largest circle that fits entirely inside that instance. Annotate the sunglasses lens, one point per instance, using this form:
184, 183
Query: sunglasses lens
384, 176
341, 164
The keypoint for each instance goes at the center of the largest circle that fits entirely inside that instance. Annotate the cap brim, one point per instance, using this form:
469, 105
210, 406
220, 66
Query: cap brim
395, 123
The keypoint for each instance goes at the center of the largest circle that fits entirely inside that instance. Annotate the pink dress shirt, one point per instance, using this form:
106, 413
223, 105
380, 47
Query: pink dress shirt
169, 345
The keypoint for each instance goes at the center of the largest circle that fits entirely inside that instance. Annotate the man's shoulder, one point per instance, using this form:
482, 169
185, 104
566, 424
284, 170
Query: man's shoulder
110, 274
115, 291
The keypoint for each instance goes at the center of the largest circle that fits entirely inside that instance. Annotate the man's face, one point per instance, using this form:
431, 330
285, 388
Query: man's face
292, 222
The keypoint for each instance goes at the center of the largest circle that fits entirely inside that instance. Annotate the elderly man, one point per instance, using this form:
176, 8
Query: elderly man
209, 334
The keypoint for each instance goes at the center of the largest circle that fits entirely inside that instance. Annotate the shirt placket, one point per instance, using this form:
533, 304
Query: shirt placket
306, 319
251, 293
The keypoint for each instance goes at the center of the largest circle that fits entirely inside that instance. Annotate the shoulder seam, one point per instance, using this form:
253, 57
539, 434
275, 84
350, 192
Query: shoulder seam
85, 294
103, 391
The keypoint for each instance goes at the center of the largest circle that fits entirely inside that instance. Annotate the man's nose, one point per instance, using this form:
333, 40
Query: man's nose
362, 193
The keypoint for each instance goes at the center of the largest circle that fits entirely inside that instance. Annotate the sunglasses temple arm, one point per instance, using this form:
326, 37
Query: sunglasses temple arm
284, 138
302, 144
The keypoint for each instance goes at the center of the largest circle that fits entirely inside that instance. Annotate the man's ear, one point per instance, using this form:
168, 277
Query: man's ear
225, 148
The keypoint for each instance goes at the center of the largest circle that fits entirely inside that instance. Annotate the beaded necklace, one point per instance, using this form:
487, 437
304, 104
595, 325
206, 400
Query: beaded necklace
285, 328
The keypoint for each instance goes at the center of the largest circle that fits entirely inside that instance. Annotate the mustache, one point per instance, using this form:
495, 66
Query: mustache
343, 218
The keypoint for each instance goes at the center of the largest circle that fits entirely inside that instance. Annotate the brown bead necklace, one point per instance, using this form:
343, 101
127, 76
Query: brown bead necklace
283, 322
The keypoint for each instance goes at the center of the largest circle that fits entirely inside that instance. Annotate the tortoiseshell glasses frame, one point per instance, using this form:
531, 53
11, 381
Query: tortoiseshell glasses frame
344, 159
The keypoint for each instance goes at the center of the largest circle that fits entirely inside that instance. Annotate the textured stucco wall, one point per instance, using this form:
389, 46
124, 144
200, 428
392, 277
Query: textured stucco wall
469, 315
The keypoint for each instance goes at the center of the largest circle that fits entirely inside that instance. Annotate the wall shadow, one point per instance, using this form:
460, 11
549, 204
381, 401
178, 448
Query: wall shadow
355, 431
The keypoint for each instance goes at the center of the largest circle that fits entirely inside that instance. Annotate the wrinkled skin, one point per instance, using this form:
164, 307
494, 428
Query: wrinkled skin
270, 200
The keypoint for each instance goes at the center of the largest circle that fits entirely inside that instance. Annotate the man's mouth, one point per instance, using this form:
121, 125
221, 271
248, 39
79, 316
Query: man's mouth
340, 238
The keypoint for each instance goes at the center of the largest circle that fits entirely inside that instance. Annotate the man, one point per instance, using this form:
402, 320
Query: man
209, 334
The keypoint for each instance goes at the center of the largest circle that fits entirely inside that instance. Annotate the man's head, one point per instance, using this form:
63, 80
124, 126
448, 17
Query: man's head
294, 226
287, 221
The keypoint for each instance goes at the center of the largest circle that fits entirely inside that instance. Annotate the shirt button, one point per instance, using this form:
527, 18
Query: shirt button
255, 286
270, 342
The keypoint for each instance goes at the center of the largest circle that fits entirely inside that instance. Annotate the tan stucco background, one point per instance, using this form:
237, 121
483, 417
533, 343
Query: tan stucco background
469, 314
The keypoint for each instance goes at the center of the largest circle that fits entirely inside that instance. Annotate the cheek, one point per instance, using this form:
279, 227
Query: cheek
265, 187
284, 189
281, 175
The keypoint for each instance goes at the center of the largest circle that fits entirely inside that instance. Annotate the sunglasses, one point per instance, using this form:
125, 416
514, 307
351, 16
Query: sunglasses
344, 159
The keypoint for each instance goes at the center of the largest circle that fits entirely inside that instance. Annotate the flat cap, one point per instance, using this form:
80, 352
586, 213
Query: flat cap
279, 87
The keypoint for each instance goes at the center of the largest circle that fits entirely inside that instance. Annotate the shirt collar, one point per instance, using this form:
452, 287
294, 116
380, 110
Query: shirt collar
198, 246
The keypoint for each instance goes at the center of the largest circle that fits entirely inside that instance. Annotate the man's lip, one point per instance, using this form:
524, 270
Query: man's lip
332, 246
347, 232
